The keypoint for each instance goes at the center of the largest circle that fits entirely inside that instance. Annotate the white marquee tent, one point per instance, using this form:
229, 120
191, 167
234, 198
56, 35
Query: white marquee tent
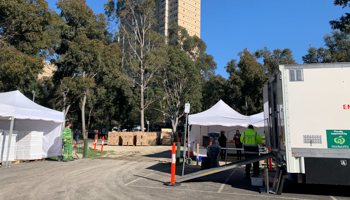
19, 113
221, 117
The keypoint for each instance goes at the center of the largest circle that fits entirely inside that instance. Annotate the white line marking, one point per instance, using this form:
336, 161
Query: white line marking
332, 197
234, 193
223, 185
144, 177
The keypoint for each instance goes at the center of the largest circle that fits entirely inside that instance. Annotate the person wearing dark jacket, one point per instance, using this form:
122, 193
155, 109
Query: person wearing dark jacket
238, 144
222, 142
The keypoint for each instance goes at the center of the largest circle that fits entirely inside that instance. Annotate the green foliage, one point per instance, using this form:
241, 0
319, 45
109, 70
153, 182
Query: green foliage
338, 49
25, 32
194, 47
343, 24
89, 66
245, 84
278, 57
17, 69
213, 90
180, 80
143, 49
23, 24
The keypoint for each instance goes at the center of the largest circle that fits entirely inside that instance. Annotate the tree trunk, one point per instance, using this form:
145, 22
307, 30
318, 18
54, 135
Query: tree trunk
142, 109
174, 123
83, 102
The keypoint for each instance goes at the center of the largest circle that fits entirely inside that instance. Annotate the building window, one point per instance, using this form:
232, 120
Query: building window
184, 10
296, 75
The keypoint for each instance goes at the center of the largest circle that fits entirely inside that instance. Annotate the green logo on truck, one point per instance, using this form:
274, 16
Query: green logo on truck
338, 139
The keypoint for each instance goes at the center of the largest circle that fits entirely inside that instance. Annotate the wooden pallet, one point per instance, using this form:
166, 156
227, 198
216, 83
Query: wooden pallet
15, 162
35, 160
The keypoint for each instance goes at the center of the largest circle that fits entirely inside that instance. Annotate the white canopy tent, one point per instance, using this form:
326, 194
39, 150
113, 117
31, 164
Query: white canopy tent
221, 117
19, 113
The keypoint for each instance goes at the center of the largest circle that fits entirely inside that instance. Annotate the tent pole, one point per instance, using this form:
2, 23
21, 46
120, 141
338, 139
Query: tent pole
228, 134
184, 151
7, 163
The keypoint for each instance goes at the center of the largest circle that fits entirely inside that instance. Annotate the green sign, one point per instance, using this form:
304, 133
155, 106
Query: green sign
338, 139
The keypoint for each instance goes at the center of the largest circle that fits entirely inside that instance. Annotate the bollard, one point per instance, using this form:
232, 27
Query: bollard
270, 162
173, 168
95, 143
178, 146
103, 142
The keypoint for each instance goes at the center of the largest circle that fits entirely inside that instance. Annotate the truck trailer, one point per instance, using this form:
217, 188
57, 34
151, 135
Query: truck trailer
307, 121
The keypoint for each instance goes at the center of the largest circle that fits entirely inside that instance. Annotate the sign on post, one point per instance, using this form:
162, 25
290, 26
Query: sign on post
187, 107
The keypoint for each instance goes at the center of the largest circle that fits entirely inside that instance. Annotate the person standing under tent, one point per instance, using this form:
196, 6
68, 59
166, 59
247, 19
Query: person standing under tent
251, 140
238, 144
222, 142
67, 138
76, 135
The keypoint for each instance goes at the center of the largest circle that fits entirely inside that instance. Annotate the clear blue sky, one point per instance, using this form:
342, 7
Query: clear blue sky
230, 26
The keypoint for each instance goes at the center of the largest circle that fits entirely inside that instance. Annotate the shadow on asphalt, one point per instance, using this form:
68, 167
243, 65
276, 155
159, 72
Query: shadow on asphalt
163, 154
237, 180
327, 190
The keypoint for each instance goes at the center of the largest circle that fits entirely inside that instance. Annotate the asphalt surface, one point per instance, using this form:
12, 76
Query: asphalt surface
125, 179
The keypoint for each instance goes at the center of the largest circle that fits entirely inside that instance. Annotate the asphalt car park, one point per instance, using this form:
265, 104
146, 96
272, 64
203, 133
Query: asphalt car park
127, 179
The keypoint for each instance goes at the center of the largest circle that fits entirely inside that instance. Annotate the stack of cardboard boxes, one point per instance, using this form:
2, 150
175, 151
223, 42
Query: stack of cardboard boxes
134, 138
167, 138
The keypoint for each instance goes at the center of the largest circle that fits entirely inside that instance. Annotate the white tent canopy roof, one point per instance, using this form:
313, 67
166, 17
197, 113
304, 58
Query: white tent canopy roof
15, 104
223, 115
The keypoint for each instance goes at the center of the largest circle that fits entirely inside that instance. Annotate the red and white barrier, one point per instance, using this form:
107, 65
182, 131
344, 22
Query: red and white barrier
173, 167
95, 143
103, 142
75, 143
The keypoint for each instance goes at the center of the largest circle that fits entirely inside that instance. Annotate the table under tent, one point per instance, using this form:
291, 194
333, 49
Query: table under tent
217, 118
27, 130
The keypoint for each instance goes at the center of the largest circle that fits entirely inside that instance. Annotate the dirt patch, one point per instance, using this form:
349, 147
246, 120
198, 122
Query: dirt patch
136, 153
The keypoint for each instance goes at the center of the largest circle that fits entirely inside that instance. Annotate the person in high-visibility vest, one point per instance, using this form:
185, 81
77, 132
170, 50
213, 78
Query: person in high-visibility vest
251, 140
67, 138
263, 139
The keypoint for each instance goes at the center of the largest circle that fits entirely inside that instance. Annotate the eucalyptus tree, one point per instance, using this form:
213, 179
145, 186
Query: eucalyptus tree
180, 80
23, 37
337, 49
245, 84
343, 23
277, 57
81, 53
143, 48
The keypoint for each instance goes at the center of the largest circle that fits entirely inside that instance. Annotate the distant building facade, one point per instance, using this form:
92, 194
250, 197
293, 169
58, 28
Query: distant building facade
186, 13
48, 71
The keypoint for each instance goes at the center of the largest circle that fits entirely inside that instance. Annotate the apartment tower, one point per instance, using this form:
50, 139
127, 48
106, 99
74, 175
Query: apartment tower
186, 13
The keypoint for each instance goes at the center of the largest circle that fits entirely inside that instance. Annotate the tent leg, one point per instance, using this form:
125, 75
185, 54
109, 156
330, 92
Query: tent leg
7, 162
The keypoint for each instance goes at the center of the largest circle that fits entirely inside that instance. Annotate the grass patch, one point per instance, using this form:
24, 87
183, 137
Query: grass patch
52, 158
95, 154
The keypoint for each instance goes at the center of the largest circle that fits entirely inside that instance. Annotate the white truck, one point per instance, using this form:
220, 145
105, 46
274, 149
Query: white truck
307, 121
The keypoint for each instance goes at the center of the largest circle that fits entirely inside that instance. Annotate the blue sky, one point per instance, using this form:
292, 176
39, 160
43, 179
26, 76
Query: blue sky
230, 26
